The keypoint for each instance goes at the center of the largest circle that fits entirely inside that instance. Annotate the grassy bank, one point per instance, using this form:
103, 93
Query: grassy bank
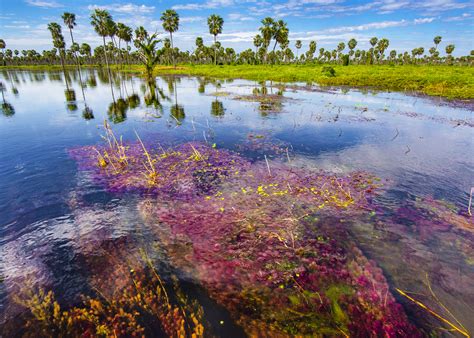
453, 82
446, 81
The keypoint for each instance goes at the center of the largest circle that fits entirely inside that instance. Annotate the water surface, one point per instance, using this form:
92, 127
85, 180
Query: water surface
51, 212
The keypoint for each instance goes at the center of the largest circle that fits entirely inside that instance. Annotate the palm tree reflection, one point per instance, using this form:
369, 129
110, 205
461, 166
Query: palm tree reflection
87, 113
177, 110
7, 108
118, 111
217, 108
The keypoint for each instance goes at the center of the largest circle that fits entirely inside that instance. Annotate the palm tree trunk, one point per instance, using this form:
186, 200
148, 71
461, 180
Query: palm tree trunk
128, 60
70, 32
172, 50
105, 54
77, 61
215, 50
64, 72
108, 69
120, 54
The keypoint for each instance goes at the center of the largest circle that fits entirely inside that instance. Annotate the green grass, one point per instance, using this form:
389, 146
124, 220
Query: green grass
453, 82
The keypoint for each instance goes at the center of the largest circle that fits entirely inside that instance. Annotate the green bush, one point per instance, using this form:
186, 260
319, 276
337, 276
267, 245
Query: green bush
328, 71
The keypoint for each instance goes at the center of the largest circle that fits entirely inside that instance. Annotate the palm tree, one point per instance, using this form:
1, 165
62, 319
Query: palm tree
267, 33
58, 41
199, 42
85, 51
100, 20
382, 46
312, 49
123, 33
167, 49
141, 33
298, 46
148, 53
70, 21
257, 42
352, 44
170, 21
3, 45
374, 41
449, 51
280, 32
393, 54
215, 23
437, 41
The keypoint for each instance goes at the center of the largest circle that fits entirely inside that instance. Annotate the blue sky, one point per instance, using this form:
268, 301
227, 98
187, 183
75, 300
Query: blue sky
406, 23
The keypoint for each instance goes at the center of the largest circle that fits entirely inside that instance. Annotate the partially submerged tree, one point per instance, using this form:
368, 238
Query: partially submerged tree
148, 53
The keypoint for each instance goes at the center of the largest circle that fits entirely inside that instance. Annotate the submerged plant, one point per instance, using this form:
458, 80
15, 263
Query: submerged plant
141, 307
266, 240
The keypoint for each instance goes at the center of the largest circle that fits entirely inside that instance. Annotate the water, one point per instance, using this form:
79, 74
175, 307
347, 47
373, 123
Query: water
54, 217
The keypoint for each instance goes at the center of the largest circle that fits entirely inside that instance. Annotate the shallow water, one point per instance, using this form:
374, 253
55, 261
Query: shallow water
53, 215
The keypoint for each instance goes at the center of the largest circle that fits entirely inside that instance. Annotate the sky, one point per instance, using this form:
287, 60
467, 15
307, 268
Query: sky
407, 24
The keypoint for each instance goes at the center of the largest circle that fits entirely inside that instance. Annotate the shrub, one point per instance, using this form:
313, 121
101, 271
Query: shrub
328, 71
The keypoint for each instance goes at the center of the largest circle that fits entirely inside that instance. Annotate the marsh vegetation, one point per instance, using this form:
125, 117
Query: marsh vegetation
216, 206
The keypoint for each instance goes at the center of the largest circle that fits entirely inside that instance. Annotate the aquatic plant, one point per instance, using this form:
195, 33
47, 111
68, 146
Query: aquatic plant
265, 239
268, 102
458, 327
185, 169
264, 144
141, 307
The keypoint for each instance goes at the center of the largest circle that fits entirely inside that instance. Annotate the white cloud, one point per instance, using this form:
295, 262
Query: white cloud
205, 5
440, 5
238, 36
423, 20
389, 6
124, 8
377, 25
17, 26
364, 27
44, 4
240, 17
462, 17
329, 37
192, 19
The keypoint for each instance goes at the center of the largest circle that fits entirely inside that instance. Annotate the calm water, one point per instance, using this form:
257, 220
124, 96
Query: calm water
51, 213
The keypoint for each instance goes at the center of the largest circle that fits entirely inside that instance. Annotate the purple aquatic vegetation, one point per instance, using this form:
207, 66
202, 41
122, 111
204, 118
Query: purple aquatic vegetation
263, 243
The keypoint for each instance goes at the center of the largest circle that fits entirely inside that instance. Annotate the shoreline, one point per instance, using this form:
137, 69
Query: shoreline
448, 82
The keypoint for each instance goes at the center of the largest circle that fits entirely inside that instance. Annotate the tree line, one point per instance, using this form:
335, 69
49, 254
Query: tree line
123, 45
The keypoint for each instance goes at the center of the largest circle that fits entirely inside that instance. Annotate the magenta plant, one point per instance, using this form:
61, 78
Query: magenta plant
264, 239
